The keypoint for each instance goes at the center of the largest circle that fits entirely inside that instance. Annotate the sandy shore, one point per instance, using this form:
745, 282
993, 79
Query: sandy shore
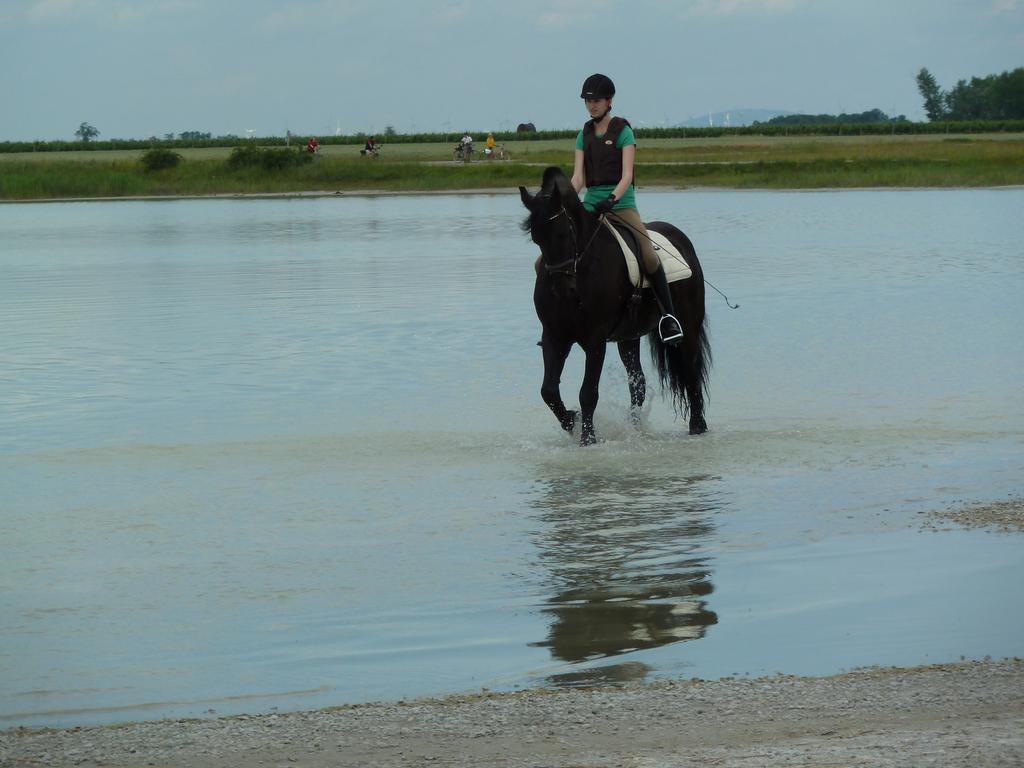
966, 714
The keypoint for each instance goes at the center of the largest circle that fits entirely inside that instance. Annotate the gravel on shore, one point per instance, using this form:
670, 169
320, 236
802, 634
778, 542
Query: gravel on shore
1001, 516
960, 714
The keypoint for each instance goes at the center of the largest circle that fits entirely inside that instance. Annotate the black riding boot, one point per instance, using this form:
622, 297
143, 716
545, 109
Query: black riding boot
669, 329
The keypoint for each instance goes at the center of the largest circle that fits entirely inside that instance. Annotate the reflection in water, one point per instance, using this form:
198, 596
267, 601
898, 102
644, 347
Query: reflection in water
625, 555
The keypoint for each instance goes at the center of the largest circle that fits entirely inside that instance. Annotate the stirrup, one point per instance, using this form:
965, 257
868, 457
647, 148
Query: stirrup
672, 337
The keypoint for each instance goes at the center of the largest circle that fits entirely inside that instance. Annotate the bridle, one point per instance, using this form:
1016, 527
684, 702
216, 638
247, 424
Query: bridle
570, 265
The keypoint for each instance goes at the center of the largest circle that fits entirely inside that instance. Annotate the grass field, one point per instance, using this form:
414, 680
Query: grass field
737, 161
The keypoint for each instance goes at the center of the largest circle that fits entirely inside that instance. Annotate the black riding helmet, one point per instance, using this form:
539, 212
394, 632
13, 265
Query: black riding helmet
598, 86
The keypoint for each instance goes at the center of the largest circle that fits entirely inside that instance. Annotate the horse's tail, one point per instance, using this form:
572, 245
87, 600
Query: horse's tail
684, 369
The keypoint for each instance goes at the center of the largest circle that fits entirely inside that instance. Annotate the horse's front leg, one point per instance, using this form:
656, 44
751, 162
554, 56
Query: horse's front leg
629, 353
555, 354
589, 391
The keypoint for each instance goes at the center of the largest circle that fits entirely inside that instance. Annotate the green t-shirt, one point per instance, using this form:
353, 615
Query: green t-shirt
598, 193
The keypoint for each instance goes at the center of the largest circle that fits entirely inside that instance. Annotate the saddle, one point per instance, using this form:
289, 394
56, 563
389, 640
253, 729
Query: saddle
672, 260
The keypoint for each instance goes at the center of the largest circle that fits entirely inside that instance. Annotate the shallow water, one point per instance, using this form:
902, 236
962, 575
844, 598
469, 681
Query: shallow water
291, 453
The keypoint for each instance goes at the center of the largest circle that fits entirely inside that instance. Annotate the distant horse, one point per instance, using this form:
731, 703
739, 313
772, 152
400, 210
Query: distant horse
583, 295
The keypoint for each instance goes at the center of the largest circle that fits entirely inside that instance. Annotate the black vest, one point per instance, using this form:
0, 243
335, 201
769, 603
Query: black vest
602, 162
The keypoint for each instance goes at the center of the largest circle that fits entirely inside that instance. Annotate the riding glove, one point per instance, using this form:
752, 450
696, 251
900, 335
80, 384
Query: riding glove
604, 206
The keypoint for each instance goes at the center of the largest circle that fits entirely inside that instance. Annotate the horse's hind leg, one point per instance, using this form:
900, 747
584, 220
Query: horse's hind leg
629, 353
555, 355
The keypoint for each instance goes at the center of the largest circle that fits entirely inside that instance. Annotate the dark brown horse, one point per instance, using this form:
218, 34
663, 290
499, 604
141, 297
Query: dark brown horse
583, 295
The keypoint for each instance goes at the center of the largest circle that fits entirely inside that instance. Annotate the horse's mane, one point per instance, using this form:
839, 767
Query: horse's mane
555, 192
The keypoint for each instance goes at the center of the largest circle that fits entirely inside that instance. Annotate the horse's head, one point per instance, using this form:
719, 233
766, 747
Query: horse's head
557, 220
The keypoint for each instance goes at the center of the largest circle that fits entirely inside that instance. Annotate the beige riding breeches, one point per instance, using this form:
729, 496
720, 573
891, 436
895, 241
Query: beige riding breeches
631, 218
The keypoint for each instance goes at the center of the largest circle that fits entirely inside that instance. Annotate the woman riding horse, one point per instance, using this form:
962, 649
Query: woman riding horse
584, 295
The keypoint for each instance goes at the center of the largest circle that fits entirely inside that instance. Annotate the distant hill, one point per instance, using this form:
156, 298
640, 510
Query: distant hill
733, 117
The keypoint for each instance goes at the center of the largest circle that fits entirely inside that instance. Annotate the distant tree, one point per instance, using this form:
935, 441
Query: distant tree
871, 116
390, 131
86, 132
1008, 94
995, 97
934, 101
970, 101
193, 135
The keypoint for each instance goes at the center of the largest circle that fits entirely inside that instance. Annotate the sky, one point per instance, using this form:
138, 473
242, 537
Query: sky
140, 68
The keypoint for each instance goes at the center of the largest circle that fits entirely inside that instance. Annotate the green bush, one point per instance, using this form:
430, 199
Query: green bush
251, 156
159, 159
245, 156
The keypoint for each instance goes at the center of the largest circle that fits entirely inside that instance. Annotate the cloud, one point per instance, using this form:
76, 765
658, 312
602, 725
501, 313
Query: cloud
563, 14
56, 10
555, 20
1005, 6
116, 11
453, 12
312, 13
743, 7
132, 12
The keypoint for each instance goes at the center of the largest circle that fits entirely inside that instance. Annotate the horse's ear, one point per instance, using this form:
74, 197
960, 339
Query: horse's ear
526, 196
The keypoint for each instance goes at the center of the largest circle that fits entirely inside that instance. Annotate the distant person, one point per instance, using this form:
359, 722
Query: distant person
490, 141
371, 145
467, 141
313, 146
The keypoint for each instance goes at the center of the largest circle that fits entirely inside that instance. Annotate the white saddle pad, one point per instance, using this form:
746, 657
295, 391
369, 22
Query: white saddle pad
672, 260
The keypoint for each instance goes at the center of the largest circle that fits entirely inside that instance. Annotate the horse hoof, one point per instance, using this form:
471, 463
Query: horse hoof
698, 429
569, 422
586, 440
